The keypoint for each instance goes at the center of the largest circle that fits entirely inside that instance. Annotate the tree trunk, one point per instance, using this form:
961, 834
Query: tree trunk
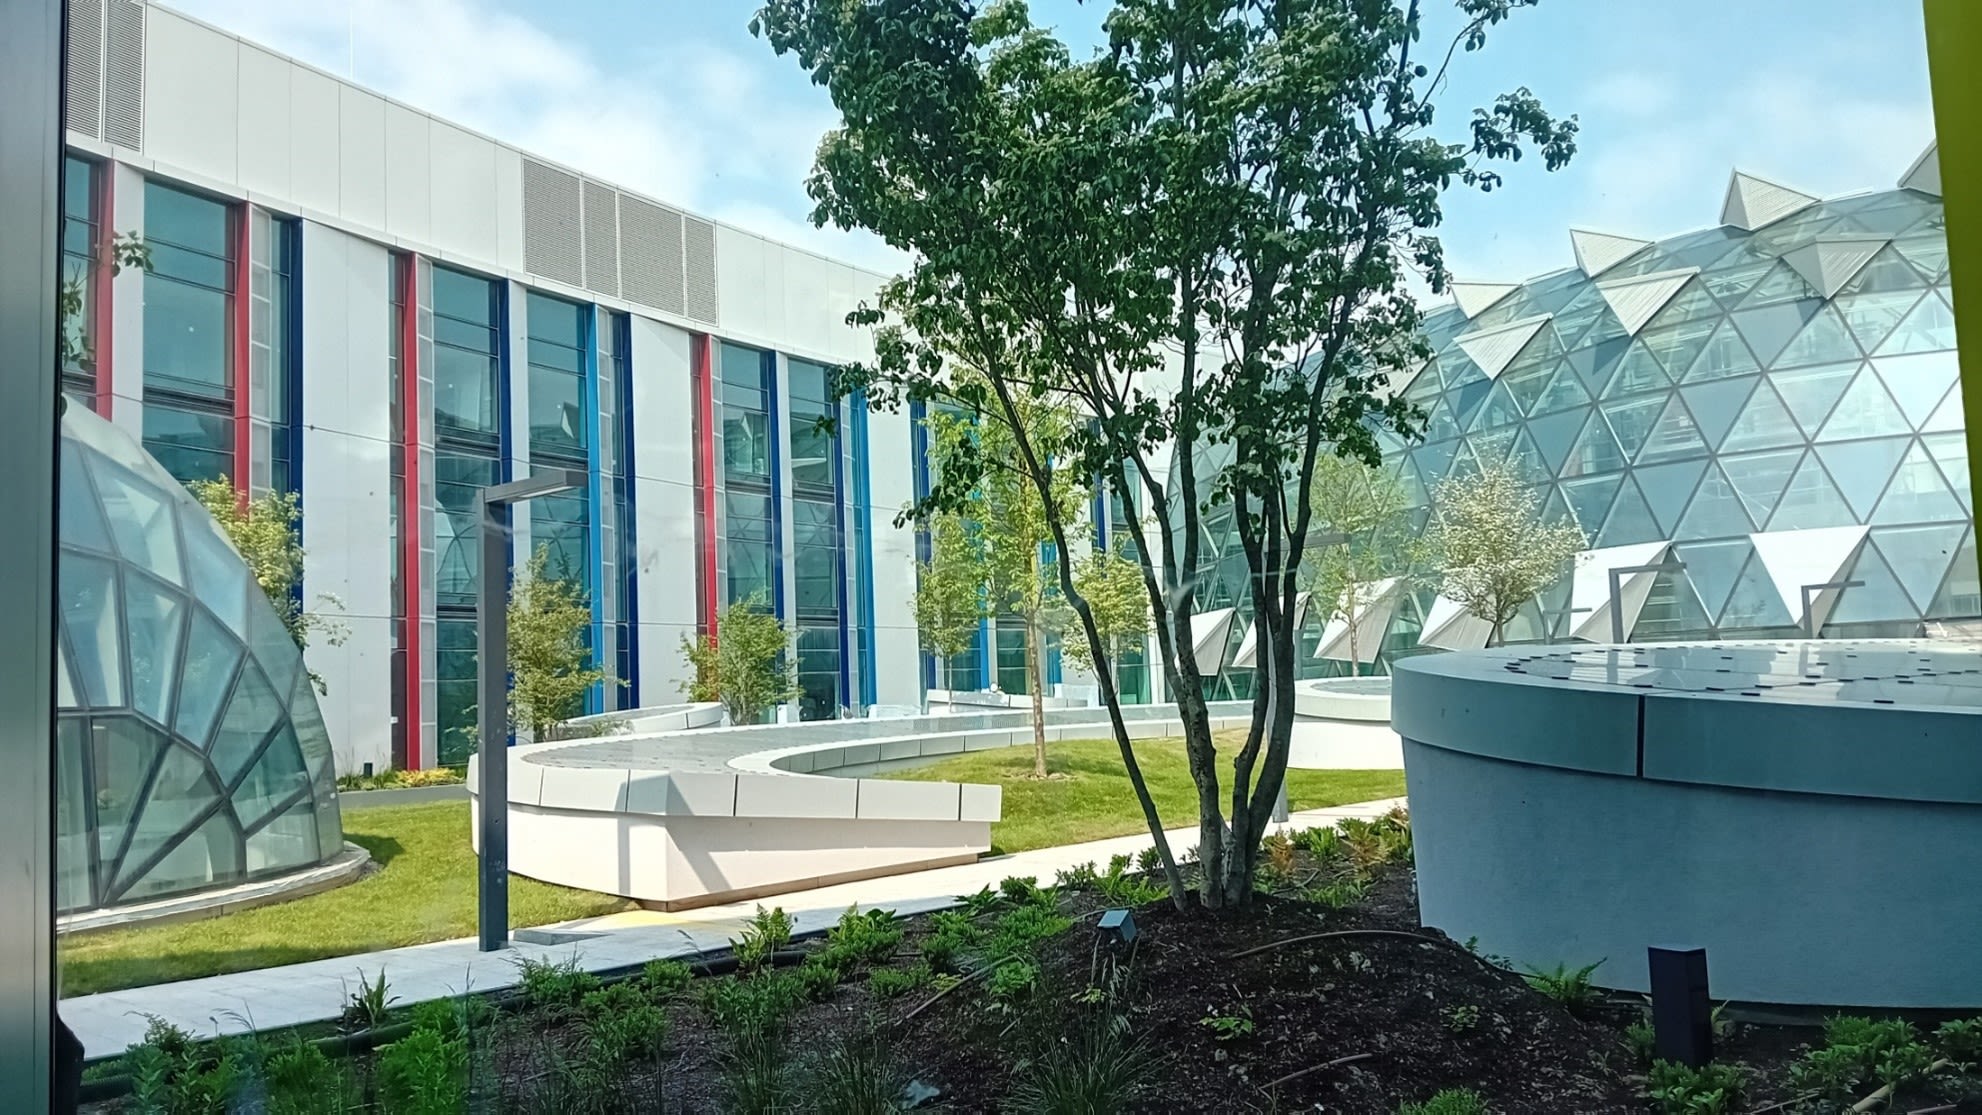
1355, 645
1035, 680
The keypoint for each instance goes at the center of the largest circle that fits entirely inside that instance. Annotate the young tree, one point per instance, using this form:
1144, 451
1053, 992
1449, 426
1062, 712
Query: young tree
550, 667
949, 593
1228, 197
1112, 586
1492, 549
1367, 508
746, 663
266, 533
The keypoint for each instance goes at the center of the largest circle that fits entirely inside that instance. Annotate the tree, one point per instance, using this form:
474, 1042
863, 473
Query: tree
550, 667
1112, 586
72, 299
949, 593
1005, 520
1492, 549
1368, 507
266, 532
1198, 241
745, 662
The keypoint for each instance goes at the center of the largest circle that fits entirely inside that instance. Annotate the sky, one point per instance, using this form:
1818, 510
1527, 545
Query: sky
677, 100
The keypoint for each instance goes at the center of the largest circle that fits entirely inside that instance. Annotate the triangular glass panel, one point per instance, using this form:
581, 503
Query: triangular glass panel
1885, 272
1630, 520
1929, 253
1730, 284
1632, 419
1961, 594
1753, 603
1691, 302
1678, 346
1888, 222
1590, 498
1920, 556
1573, 320
1865, 411
1526, 385
1438, 422
1676, 436
1878, 600
1671, 612
1929, 327
1871, 317
1725, 355
1948, 415
1811, 392
1781, 284
252, 712
1716, 511
1811, 500
1769, 329
1491, 446
1919, 382
1596, 363
141, 520
1564, 391
1713, 567
82, 523
1466, 401
1639, 372
207, 676
1596, 451
1716, 404
1464, 463
1434, 459
1500, 410
1410, 483
1667, 488
1763, 424
1555, 509
1554, 434
1950, 451
1860, 469
180, 791
275, 778
217, 840
153, 621
1759, 478
1526, 460
1824, 339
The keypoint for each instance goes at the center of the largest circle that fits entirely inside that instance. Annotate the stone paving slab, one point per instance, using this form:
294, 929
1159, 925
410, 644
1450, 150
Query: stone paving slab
315, 991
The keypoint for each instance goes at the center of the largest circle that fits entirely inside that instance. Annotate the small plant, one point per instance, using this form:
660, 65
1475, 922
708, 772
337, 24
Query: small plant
1960, 1041
818, 978
368, 1007
749, 1008
1118, 888
757, 1077
1675, 1089
1100, 1069
662, 978
950, 935
425, 1073
981, 903
1323, 843
1340, 894
450, 1017
1279, 849
1463, 1018
1149, 860
856, 1075
302, 1080
1868, 1040
174, 1075
1232, 1024
622, 1024
1832, 1074
1642, 1041
555, 987
1079, 876
861, 938
1021, 928
888, 983
1012, 982
767, 933
1568, 986
1904, 1065
1451, 1101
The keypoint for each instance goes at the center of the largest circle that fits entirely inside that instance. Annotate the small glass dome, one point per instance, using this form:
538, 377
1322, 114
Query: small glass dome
192, 754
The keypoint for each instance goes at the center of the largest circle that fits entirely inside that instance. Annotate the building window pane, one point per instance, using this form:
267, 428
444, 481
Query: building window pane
188, 293
467, 365
191, 444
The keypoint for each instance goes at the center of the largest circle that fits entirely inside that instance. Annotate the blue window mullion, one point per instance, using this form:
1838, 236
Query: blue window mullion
595, 552
863, 529
918, 441
774, 457
846, 697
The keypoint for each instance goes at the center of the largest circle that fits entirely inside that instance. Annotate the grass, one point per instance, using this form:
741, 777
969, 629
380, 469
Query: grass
1093, 801
424, 891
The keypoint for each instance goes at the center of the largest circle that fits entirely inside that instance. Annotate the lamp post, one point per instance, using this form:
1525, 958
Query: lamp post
1809, 595
1617, 575
492, 693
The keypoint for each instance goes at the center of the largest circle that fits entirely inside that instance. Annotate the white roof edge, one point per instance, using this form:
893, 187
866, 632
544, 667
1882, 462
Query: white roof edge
1925, 173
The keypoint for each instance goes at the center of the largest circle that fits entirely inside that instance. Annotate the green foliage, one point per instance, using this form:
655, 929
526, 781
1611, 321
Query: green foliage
1322, 842
982, 902
1111, 584
1015, 888
1119, 888
768, 932
301, 1079
451, 1017
1451, 1101
1715, 1089
425, 1073
1642, 1040
747, 1008
818, 978
621, 1024
1960, 1040
1148, 860
1904, 1065
1100, 1069
949, 592
267, 532
1462, 1018
663, 978
1012, 983
1019, 929
758, 1077
1831, 1074
888, 983
1338, 894
1867, 1040
77, 346
1366, 505
746, 663
556, 987
951, 935
855, 1075
171, 1074
550, 665
1568, 986
1078, 877
1233, 1023
368, 1007
861, 938
1493, 550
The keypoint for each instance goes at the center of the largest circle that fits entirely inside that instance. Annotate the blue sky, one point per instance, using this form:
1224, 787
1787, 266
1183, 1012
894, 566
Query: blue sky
678, 100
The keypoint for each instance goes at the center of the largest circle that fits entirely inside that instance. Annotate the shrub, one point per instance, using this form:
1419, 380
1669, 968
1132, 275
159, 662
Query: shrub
1323, 843
1675, 1089
1830, 1074
1079, 876
856, 1075
757, 1078
767, 933
555, 987
1012, 982
1149, 860
302, 1080
368, 1007
818, 978
663, 978
1279, 849
172, 1073
1099, 1069
621, 1024
1867, 1041
451, 1017
862, 938
1960, 1041
1118, 888
746, 1008
424, 1073
950, 935
1340, 894
1568, 986
1019, 929
888, 983
1904, 1064
981, 903
1451, 1101
1642, 1040
1015, 888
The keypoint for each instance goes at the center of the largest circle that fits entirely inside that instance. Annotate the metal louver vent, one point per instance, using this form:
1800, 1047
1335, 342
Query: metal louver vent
552, 224
699, 254
85, 108
601, 239
650, 255
124, 74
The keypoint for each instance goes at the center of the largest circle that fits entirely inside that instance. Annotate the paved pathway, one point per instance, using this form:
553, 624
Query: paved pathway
315, 991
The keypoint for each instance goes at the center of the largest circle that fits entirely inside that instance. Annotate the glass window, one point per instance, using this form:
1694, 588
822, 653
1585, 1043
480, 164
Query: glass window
818, 672
188, 304
558, 403
558, 527
79, 232
815, 559
192, 444
746, 444
467, 361
459, 478
454, 687
1011, 656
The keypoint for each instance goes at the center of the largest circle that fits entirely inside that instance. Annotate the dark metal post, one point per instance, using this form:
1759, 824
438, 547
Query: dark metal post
1809, 596
492, 694
1617, 575
1682, 1010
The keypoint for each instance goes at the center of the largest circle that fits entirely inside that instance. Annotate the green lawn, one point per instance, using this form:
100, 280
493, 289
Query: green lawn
423, 891
1094, 800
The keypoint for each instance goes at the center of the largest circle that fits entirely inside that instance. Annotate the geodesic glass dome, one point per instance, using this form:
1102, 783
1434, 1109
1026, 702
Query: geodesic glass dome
1771, 403
191, 753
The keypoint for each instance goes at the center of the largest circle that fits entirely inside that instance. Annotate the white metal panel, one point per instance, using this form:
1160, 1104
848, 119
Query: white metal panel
807, 295
312, 139
1637, 299
361, 157
127, 309
264, 121
192, 95
663, 402
509, 207
1925, 173
1829, 262
1753, 202
408, 173
890, 463
1476, 298
1589, 587
744, 283
1494, 349
463, 192
1796, 558
1597, 252
662, 671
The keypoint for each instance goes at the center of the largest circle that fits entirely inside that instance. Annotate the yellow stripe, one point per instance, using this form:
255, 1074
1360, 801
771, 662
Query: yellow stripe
1954, 44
